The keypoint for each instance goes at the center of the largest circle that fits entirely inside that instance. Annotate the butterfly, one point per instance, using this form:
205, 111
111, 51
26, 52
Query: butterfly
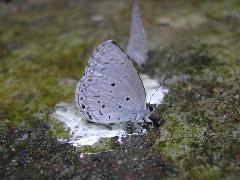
111, 91
137, 45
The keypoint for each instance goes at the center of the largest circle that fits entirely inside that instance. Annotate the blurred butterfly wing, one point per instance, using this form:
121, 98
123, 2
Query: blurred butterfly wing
137, 45
111, 89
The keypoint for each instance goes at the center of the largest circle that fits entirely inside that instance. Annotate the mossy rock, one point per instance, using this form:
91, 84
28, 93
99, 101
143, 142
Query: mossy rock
195, 44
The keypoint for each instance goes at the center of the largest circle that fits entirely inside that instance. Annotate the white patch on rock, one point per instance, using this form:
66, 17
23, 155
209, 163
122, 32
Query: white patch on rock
151, 86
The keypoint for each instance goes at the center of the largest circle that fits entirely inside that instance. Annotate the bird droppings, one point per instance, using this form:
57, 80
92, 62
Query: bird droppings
81, 131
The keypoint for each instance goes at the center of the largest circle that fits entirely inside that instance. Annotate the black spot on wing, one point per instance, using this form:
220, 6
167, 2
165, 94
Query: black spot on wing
89, 115
100, 112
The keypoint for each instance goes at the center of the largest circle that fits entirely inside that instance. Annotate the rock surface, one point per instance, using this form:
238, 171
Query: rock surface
194, 43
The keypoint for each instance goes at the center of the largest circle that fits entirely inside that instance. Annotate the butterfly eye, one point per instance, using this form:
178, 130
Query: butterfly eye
150, 108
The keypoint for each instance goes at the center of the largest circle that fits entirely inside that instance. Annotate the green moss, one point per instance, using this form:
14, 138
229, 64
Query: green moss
206, 173
31, 68
12, 115
177, 138
102, 146
201, 122
202, 108
58, 130
203, 134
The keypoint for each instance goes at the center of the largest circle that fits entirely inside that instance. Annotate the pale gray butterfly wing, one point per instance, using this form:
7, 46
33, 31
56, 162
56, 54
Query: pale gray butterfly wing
137, 45
111, 89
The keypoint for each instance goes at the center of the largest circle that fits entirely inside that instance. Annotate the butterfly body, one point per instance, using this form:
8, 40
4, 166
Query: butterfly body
111, 90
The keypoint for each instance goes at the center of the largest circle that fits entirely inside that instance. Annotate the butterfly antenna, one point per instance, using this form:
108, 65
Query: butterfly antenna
157, 89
